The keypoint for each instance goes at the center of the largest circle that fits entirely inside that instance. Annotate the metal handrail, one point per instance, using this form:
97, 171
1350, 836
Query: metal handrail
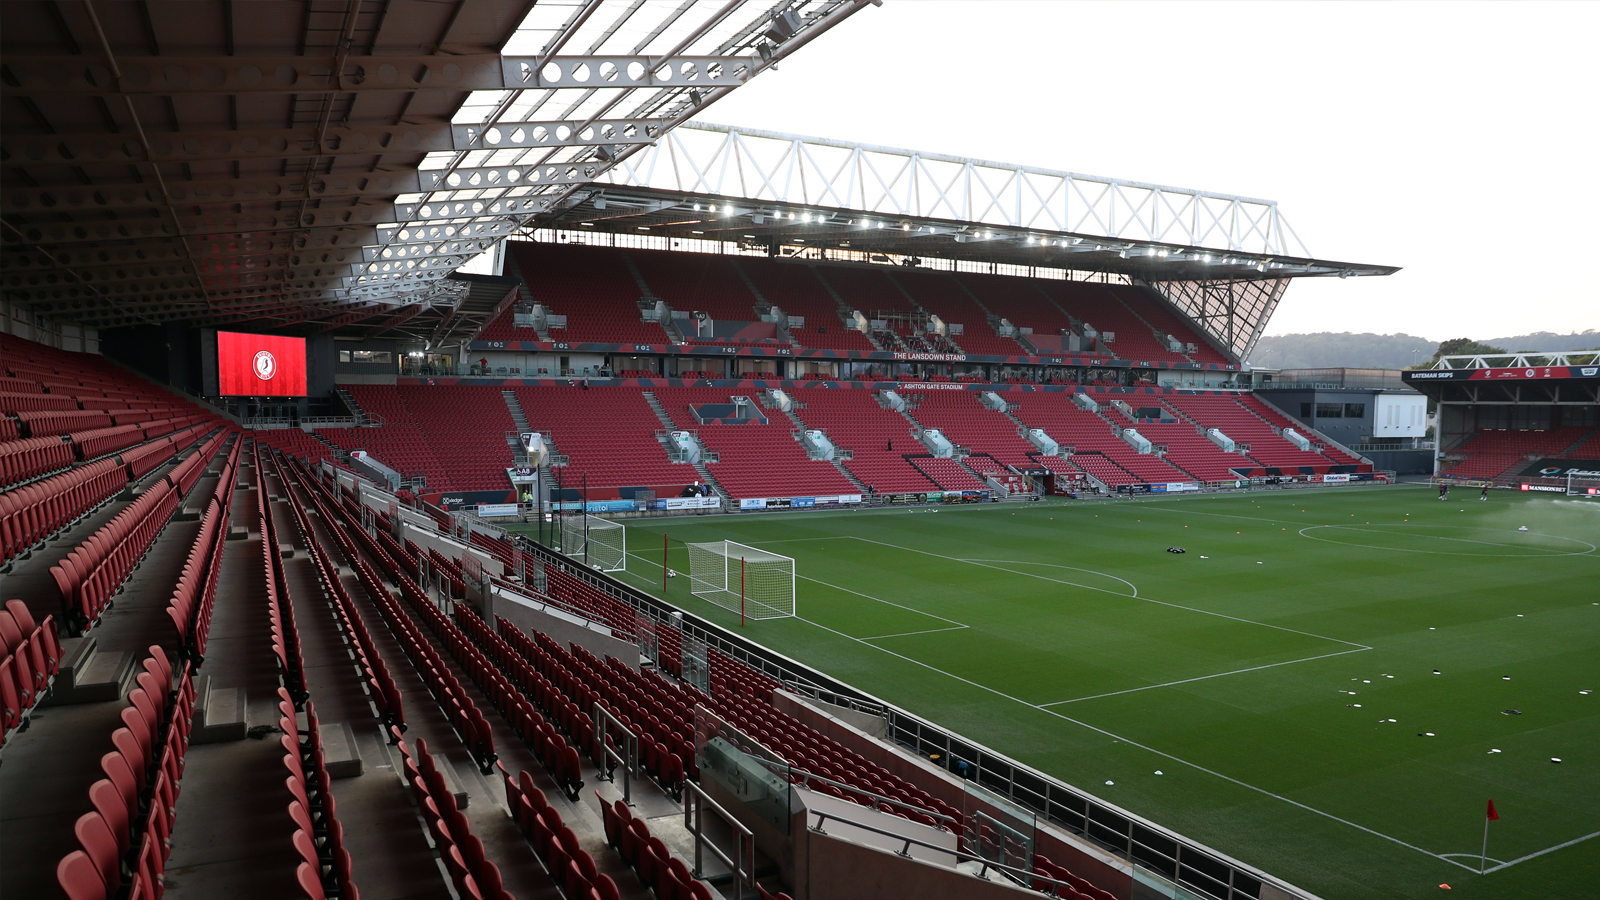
630, 764
701, 799
810, 776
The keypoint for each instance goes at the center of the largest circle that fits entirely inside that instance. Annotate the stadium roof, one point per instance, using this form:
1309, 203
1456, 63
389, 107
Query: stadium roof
723, 182
327, 162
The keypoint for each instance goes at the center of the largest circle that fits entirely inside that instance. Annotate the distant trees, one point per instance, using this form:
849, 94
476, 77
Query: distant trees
1343, 349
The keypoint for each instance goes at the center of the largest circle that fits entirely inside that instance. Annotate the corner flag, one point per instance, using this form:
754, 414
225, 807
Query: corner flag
1492, 814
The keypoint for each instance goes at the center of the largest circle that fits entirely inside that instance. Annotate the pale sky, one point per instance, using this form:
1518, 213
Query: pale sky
1452, 139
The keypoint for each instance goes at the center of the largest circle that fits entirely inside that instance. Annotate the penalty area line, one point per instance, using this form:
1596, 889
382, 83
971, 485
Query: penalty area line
911, 633
1202, 677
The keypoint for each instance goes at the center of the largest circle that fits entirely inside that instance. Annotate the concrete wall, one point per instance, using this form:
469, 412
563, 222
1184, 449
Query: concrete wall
563, 627
839, 869
1085, 859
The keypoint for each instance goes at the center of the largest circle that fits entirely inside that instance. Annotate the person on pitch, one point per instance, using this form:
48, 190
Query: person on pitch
1483, 494
1444, 491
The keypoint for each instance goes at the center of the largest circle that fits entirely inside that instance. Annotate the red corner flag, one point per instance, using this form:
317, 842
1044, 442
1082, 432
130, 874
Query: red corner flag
1492, 814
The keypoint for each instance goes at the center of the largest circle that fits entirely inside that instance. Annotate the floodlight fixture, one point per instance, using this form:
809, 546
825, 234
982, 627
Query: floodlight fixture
783, 26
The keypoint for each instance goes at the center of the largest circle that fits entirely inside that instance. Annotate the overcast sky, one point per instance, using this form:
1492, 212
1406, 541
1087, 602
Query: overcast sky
1456, 140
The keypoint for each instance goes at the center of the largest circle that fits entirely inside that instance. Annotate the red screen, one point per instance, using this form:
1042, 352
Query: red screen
260, 365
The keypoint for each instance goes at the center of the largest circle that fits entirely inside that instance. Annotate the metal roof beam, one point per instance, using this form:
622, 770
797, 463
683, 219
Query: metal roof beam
290, 189
313, 143
177, 75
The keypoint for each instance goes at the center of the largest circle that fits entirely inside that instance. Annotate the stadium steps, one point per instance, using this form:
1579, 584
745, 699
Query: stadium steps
706, 477
524, 293
1155, 332
518, 417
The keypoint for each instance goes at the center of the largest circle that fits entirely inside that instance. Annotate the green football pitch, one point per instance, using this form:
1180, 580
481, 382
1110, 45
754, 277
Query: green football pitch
1332, 684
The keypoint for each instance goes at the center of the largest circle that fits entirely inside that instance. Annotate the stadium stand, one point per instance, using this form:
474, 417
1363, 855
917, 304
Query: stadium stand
1102, 306
795, 289
879, 438
944, 295
963, 418
1248, 421
608, 435
591, 286
1098, 450
1491, 453
757, 460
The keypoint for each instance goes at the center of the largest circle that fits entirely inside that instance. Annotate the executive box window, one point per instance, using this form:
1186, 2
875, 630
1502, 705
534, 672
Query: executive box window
1305, 410
366, 356
1355, 410
1330, 410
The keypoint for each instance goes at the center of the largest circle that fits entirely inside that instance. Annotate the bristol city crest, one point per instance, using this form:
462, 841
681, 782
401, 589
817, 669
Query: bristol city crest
265, 365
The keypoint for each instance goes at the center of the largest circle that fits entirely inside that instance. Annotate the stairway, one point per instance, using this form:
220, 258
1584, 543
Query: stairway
660, 411
355, 408
339, 453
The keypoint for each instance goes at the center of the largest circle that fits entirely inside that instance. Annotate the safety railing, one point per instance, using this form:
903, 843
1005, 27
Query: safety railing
607, 754
695, 802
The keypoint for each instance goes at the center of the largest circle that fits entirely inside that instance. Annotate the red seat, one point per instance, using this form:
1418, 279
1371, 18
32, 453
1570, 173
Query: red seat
80, 878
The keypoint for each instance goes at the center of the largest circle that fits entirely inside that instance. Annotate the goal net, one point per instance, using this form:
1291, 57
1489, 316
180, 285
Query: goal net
1583, 486
595, 542
739, 577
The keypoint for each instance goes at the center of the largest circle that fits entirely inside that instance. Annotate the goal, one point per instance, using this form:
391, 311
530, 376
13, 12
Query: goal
1583, 486
742, 578
595, 542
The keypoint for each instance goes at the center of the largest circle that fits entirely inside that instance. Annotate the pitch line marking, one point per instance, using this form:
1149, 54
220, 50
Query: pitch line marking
1207, 612
1196, 766
1203, 677
876, 599
1019, 562
912, 633
1542, 553
1560, 846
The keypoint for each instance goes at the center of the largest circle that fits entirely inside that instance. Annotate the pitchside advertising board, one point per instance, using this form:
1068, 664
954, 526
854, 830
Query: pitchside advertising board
260, 365
1562, 468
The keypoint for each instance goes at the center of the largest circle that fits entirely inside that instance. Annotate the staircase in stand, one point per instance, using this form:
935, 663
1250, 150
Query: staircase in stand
706, 477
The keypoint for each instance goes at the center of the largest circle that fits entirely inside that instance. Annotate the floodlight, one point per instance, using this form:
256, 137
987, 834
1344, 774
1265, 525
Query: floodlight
783, 26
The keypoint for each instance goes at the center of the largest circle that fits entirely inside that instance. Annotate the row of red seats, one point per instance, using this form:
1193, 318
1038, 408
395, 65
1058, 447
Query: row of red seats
569, 864
195, 594
381, 687
655, 865
37, 423
15, 402
280, 607
441, 682
1075, 888
28, 458
474, 876
93, 572
32, 658
319, 838
146, 458
35, 511
100, 441
535, 691
135, 805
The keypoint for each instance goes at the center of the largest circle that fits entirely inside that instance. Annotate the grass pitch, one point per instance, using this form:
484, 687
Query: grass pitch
1280, 673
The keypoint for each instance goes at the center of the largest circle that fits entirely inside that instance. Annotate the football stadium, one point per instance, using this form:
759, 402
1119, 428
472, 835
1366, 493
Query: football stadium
590, 501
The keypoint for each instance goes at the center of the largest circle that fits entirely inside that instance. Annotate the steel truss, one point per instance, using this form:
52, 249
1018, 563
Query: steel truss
792, 169
1234, 311
344, 204
1519, 360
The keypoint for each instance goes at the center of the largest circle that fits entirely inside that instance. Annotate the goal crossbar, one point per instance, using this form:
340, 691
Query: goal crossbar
744, 579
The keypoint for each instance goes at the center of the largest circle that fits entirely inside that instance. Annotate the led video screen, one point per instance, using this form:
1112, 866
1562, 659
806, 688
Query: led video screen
260, 365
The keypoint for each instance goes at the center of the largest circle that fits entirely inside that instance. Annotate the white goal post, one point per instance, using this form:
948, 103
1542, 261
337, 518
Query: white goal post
595, 542
742, 578
1583, 486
